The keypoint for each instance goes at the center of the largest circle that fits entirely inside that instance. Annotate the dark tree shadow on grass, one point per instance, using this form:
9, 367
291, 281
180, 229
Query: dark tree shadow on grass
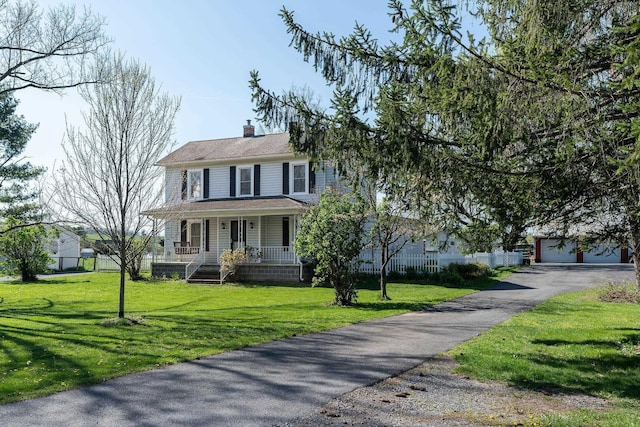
612, 373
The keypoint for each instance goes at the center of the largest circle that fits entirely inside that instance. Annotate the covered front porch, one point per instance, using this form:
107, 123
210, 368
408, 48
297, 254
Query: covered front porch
197, 233
265, 239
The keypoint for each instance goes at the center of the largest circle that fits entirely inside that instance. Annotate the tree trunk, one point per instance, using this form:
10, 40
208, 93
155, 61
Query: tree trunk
510, 240
123, 270
121, 302
635, 250
636, 267
635, 257
383, 274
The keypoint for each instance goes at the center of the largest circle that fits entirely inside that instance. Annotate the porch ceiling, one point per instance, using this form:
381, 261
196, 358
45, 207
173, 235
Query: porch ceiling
230, 207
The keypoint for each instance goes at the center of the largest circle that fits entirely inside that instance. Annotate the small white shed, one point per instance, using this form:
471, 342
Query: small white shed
64, 250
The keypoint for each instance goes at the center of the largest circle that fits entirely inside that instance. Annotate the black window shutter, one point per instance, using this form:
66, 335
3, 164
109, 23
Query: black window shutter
232, 181
206, 235
183, 230
184, 184
312, 179
285, 231
285, 178
205, 186
256, 180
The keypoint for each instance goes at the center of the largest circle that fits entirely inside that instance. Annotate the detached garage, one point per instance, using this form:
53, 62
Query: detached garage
551, 250
604, 253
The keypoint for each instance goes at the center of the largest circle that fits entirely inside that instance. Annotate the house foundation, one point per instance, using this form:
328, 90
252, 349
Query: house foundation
260, 272
168, 269
289, 273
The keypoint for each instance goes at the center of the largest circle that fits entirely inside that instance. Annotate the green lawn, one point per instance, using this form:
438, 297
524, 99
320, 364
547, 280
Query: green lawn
569, 344
51, 337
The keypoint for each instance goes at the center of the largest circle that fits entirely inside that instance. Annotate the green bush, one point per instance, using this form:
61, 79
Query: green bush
469, 271
22, 248
410, 273
395, 275
332, 233
448, 278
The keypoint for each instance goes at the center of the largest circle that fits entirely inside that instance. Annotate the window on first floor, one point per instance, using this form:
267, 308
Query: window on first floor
194, 234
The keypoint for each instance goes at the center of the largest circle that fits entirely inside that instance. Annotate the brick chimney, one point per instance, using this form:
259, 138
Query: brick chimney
248, 130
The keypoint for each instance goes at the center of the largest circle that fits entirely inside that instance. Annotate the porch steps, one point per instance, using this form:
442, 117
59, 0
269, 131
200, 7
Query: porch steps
206, 274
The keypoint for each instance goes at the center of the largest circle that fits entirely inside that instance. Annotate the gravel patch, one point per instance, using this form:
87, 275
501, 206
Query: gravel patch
431, 395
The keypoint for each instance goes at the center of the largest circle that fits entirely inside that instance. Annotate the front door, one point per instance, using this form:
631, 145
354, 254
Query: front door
235, 234
195, 235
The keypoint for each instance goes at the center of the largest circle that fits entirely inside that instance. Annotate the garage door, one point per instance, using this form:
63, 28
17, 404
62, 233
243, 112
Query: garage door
550, 253
603, 253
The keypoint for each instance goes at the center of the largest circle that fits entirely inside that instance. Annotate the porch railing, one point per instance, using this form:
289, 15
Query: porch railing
277, 254
187, 250
193, 266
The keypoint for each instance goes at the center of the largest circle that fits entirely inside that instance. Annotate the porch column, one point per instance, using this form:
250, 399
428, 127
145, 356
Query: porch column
260, 233
154, 249
296, 224
203, 230
218, 239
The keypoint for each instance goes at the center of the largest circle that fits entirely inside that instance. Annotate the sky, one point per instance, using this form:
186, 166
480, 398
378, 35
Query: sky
202, 51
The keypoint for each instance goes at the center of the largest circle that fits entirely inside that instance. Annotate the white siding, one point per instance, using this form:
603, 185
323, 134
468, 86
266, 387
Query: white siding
224, 239
171, 234
253, 238
306, 198
326, 176
213, 255
219, 182
173, 188
271, 179
272, 231
64, 250
441, 243
68, 244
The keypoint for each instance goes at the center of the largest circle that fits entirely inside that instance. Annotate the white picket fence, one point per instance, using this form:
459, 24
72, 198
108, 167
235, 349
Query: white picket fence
421, 263
428, 262
493, 260
432, 262
104, 263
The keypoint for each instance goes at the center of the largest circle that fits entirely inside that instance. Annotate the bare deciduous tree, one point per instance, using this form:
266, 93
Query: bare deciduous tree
110, 176
392, 229
47, 49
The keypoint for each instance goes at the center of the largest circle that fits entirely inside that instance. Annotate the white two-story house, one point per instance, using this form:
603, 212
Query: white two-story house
247, 191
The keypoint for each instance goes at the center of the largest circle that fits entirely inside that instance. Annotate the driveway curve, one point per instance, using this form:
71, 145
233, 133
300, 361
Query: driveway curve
273, 383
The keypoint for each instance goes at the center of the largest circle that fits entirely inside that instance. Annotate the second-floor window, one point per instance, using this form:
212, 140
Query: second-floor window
246, 180
299, 177
194, 184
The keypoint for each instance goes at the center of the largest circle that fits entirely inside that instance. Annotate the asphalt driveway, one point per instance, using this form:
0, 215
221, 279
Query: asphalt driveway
278, 381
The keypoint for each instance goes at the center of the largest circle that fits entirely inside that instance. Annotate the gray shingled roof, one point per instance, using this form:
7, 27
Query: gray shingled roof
229, 149
228, 206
